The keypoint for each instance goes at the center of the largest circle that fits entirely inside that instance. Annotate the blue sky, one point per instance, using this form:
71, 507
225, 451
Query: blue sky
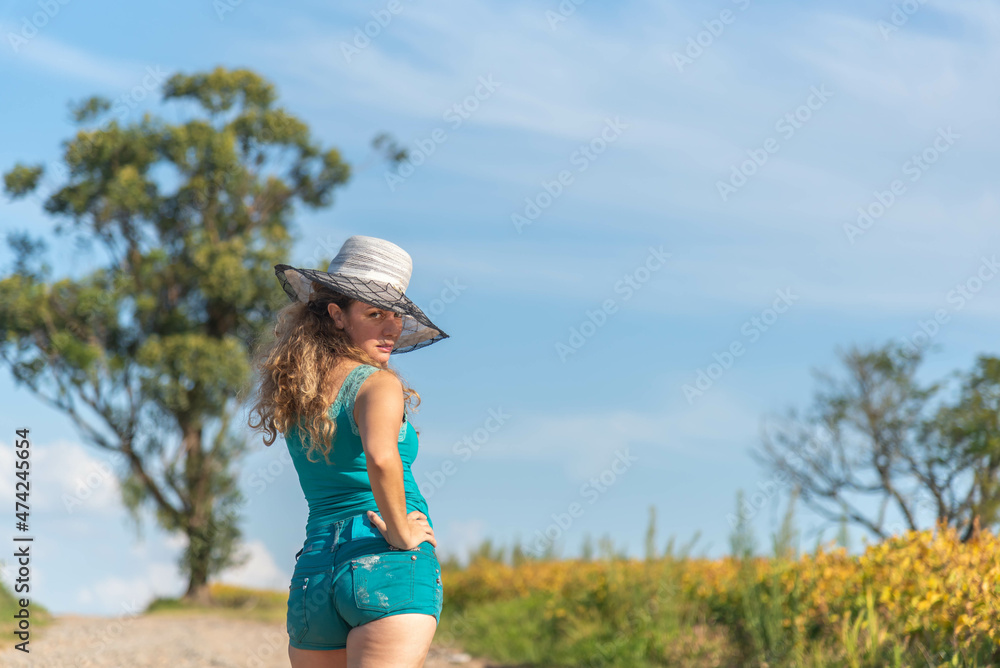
618, 122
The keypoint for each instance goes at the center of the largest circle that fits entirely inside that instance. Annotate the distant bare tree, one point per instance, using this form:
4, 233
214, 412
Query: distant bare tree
880, 434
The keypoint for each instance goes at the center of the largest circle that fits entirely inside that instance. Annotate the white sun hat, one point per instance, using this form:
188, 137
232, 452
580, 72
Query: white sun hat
374, 271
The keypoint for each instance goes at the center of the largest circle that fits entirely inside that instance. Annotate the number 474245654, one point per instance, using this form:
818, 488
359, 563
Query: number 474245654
22, 465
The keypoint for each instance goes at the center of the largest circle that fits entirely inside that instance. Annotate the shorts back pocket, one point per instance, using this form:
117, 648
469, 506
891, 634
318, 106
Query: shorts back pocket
297, 621
383, 582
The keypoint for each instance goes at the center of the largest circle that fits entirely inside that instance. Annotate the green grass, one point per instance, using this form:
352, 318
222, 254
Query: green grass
229, 601
9, 606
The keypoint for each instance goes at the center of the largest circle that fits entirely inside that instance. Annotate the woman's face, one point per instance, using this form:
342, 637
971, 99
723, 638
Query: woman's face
372, 329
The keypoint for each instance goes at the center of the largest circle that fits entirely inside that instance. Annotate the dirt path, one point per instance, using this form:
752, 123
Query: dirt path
169, 641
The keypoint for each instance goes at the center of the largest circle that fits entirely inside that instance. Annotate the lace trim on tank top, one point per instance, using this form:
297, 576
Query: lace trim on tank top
349, 393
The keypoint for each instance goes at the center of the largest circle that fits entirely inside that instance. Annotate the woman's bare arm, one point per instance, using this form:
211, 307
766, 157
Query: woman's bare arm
379, 415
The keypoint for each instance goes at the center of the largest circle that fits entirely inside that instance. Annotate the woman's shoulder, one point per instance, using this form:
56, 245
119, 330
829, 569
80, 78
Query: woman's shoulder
379, 383
364, 380
374, 389
362, 372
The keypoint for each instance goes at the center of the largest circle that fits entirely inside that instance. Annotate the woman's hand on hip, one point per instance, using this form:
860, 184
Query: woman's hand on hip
417, 529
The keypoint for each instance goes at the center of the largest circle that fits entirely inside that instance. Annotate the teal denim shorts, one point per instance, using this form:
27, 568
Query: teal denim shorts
347, 574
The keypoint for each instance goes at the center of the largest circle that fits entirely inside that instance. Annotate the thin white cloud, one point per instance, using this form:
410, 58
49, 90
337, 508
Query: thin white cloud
67, 479
586, 444
981, 14
542, 88
176, 541
919, 78
259, 572
703, 276
121, 596
65, 60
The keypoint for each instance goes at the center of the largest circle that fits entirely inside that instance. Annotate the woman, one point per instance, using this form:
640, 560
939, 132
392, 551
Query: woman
366, 589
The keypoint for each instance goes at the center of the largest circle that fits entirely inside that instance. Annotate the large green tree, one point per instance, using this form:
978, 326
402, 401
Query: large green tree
930, 453
147, 352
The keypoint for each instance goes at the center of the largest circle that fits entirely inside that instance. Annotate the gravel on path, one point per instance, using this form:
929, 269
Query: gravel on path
172, 641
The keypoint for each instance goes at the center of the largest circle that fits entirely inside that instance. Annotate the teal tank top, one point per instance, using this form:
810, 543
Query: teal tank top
341, 489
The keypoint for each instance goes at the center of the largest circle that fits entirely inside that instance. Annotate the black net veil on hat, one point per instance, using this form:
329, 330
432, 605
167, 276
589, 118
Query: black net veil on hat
418, 330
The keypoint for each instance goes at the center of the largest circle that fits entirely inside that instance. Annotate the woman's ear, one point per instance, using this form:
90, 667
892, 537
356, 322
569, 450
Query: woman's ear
335, 314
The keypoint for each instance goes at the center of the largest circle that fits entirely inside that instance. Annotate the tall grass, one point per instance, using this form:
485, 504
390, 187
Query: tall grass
39, 615
918, 599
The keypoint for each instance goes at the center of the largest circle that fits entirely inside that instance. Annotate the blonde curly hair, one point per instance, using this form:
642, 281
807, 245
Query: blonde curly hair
295, 370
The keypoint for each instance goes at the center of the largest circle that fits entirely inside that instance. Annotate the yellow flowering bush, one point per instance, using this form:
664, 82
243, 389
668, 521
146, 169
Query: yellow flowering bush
918, 594
928, 586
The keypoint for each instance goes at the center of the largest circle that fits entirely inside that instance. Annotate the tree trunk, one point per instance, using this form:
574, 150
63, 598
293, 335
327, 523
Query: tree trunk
199, 553
198, 529
197, 591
